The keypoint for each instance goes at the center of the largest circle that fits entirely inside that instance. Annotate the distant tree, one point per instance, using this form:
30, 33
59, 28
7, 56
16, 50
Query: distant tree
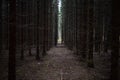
29, 7
22, 31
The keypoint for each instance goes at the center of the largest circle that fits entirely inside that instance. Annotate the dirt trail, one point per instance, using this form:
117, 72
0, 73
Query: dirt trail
59, 64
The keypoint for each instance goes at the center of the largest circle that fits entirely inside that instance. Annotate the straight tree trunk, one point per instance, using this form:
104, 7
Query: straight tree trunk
76, 28
22, 45
22, 32
115, 53
115, 44
90, 31
44, 37
29, 28
12, 40
38, 16
0, 26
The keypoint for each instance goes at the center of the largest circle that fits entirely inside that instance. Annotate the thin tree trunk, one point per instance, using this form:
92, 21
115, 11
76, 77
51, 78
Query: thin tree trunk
0, 26
38, 16
90, 35
44, 37
29, 28
22, 33
12, 40
22, 45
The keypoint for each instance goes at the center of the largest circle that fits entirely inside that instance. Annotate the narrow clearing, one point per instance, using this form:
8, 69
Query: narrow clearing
59, 64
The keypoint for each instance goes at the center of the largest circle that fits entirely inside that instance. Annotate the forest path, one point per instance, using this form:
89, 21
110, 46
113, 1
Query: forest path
59, 64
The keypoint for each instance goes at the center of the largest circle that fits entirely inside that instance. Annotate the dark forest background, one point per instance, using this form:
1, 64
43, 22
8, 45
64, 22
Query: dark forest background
90, 28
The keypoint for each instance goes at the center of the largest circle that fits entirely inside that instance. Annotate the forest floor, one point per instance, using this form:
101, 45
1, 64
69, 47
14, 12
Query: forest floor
58, 64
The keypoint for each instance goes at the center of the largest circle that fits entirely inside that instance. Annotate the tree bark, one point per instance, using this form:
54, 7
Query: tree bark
44, 25
38, 16
0, 26
115, 43
115, 53
12, 40
22, 31
90, 32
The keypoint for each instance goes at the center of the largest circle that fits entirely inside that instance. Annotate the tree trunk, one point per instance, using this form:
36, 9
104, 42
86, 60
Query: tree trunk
22, 32
38, 16
115, 53
90, 31
12, 40
115, 44
22, 45
44, 25
0, 26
